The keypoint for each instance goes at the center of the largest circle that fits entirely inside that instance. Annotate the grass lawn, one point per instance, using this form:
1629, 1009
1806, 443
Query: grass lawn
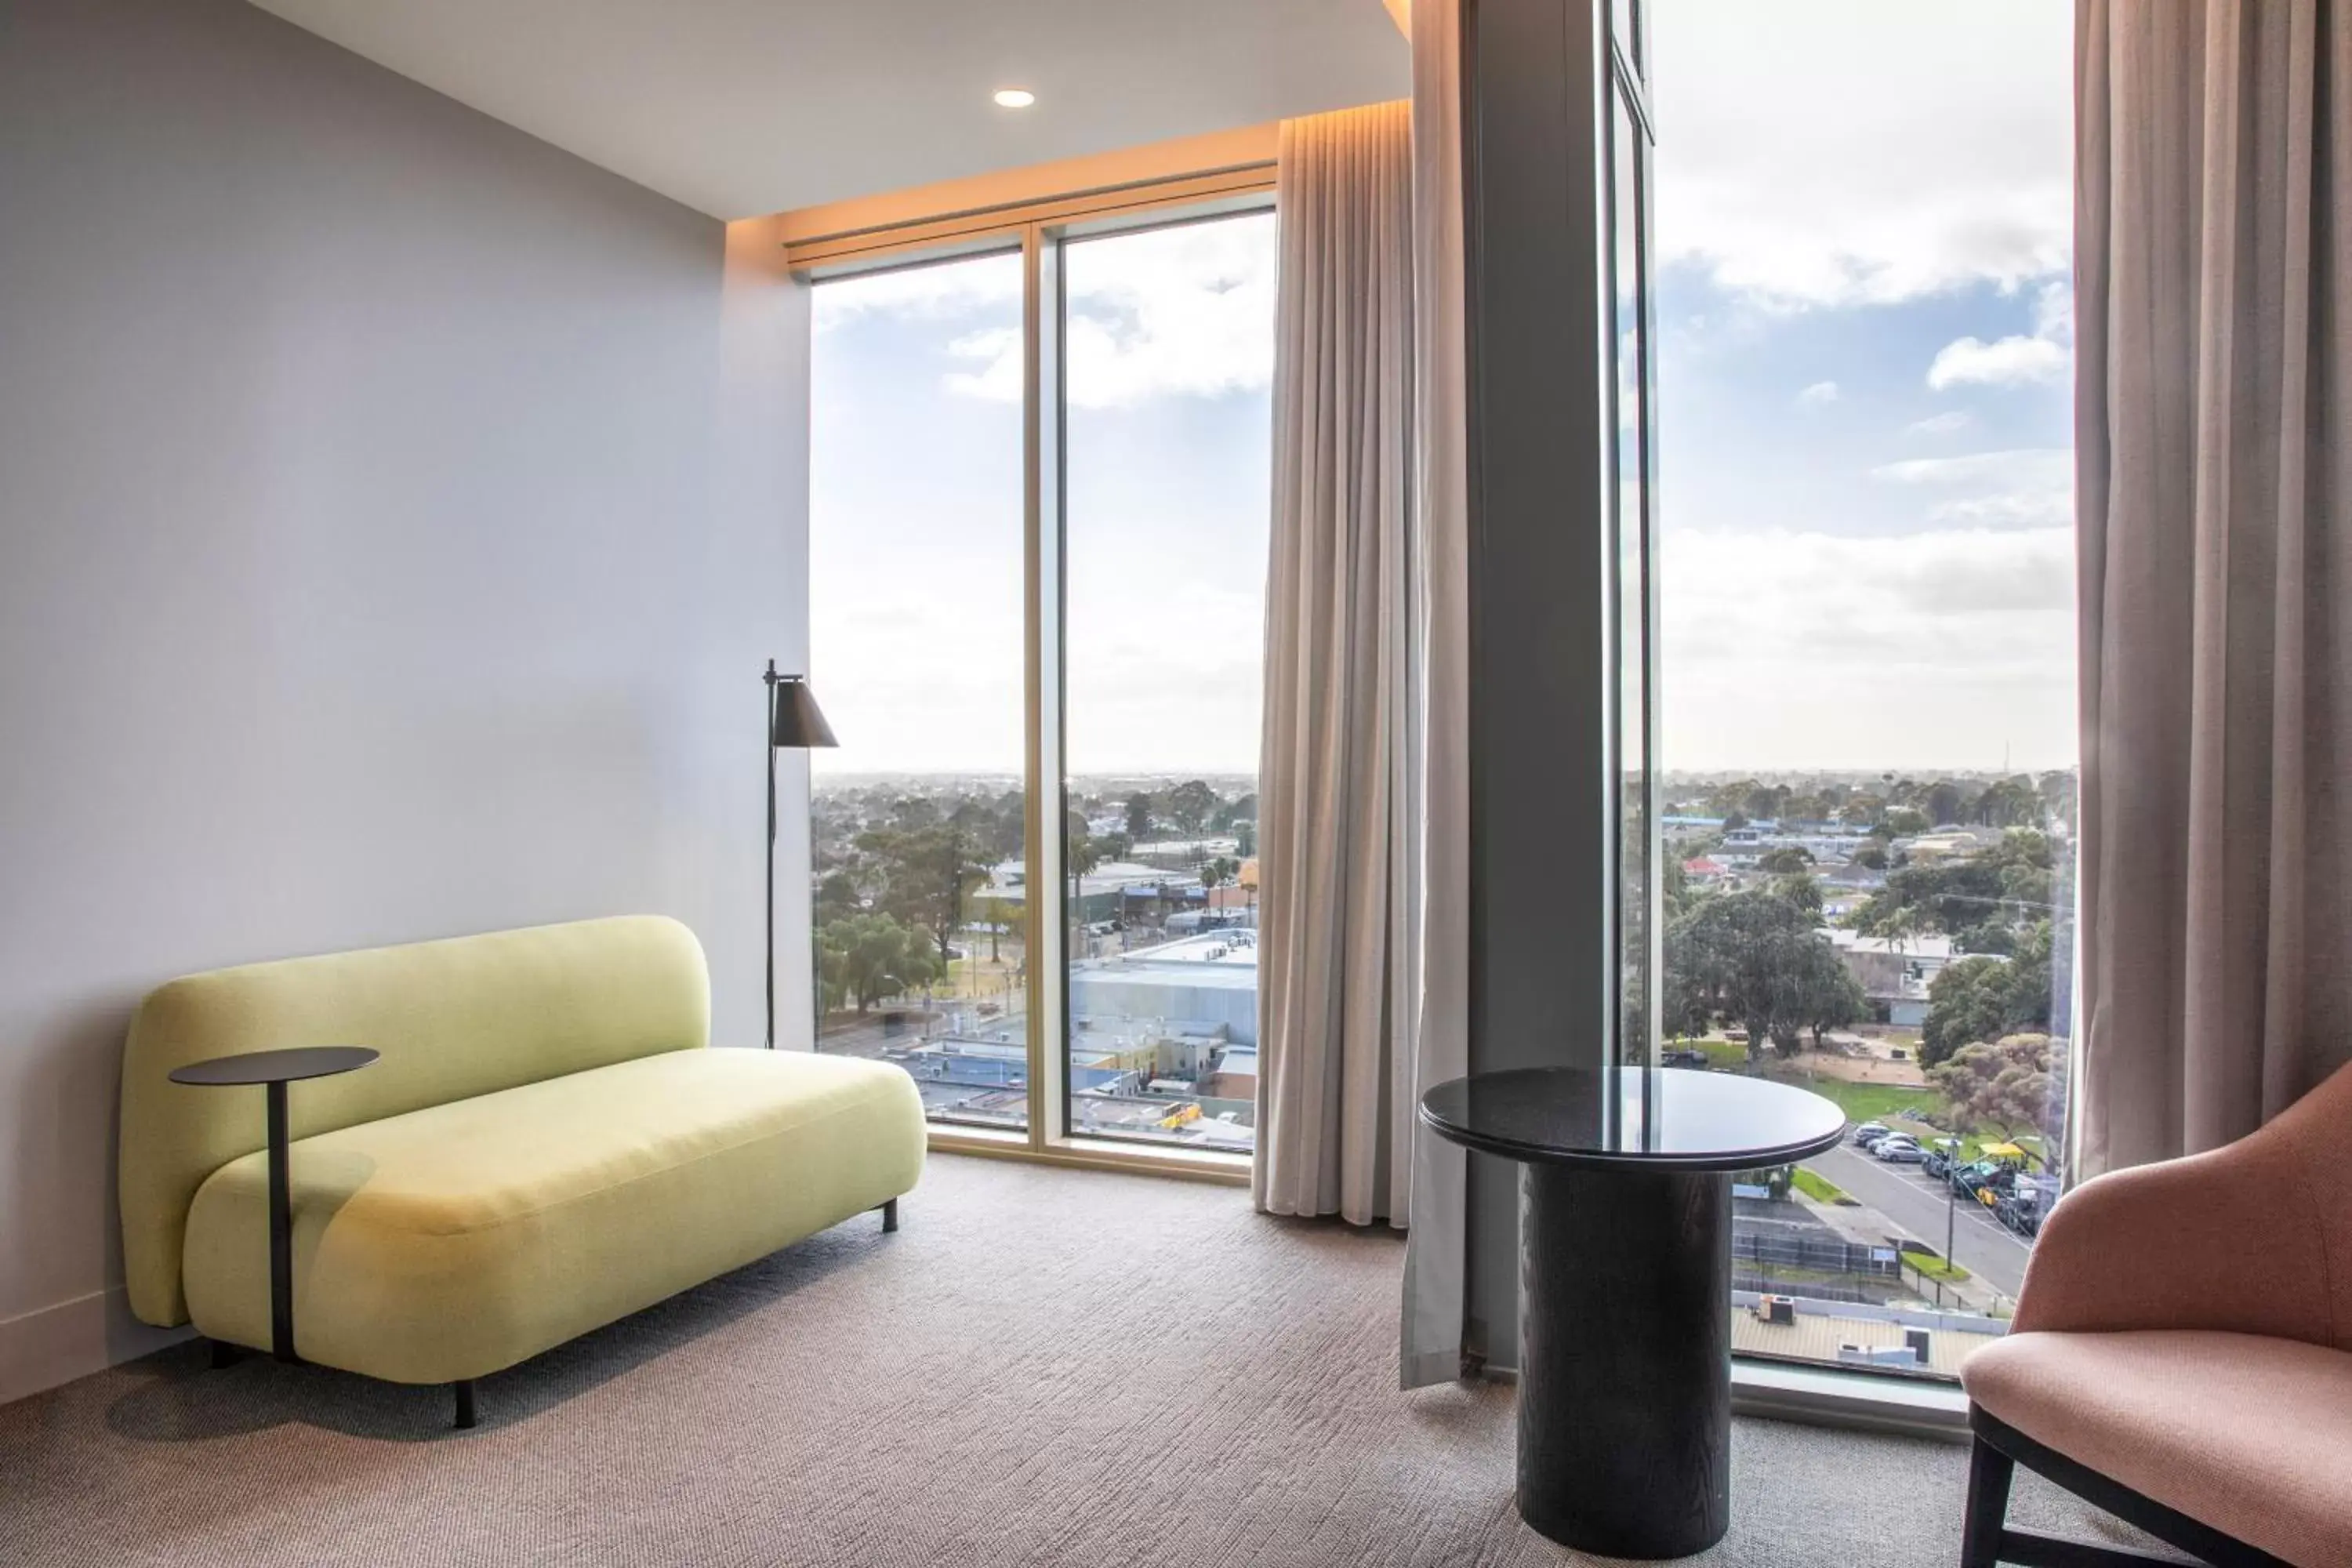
1934, 1267
1819, 1188
1860, 1102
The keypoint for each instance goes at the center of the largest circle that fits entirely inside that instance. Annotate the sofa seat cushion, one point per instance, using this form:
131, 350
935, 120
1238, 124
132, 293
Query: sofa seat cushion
2249, 1434
449, 1242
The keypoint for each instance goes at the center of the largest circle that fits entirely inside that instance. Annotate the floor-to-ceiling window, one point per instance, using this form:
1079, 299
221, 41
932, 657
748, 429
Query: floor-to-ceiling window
1864, 357
1167, 338
917, 652
1038, 554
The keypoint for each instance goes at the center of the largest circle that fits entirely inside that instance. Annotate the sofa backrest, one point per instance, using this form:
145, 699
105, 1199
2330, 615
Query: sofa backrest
453, 1020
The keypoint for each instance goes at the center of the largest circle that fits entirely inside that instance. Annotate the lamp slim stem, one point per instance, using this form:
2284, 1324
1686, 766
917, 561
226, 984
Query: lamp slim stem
767, 742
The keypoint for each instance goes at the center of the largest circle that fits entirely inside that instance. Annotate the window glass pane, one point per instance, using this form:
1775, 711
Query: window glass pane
1868, 632
1169, 358
1634, 871
915, 615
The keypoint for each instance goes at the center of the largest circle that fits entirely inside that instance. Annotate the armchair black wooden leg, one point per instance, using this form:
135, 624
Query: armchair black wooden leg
1989, 1472
464, 1388
891, 1216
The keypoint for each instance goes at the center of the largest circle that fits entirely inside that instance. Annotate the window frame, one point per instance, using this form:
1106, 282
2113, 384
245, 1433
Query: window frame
1037, 230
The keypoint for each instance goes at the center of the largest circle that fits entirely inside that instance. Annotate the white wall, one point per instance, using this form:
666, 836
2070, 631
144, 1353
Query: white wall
395, 516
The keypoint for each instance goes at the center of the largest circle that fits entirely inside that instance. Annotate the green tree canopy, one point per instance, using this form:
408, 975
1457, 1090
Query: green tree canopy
867, 958
1191, 804
2008, 884
1754, 957
2009, 1086
1980, 999
1788, 858
925, 874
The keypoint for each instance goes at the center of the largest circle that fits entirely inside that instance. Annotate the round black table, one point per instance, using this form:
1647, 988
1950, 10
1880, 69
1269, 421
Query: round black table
1625, 1285
274, 1070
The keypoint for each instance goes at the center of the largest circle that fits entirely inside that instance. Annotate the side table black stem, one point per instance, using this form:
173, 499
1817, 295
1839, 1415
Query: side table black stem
281, 1230
274, 1070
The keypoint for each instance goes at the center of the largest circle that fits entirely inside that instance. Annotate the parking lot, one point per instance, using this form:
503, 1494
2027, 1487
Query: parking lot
1914, 1202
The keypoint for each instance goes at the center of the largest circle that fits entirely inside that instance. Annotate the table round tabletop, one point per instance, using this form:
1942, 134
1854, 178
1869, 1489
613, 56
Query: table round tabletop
1669, 1118
276, 1067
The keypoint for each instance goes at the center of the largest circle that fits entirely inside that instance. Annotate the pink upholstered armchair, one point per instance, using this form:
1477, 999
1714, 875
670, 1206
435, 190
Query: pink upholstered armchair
2182, 1355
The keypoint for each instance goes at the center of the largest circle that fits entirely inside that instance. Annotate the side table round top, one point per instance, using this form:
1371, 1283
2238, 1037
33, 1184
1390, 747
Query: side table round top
1668, 1117
276, 1067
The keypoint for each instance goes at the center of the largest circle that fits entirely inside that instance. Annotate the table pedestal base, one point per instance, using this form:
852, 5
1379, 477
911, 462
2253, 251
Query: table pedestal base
1625, 1359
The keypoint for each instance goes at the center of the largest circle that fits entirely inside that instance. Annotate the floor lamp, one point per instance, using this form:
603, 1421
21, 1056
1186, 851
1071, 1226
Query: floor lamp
795, 720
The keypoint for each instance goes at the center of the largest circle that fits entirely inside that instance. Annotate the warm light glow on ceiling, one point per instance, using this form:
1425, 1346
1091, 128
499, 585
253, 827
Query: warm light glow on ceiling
1015, 97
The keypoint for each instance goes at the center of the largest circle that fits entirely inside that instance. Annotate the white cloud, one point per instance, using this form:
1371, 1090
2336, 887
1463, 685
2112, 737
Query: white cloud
1817, 394
1789, 649
2031, 487
1938, 424
958, 287
2023, 465
2047, 355
2008, 362
1824, 152
1184, 311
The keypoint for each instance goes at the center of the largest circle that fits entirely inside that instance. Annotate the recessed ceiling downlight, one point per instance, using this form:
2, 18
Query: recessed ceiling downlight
1015, 97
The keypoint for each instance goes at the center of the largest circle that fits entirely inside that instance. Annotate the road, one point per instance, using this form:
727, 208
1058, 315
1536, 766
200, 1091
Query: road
1915, 1203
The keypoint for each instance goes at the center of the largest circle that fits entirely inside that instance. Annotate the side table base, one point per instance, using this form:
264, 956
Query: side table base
1625, 1359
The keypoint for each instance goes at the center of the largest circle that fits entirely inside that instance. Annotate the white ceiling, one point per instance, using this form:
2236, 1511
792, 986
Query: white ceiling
741, 108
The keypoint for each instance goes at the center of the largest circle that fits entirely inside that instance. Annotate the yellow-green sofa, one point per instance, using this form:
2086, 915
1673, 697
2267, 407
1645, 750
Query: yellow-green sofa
545, 1145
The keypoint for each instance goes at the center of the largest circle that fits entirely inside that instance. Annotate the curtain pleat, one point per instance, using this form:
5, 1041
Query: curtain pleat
1438, 817
1336, 996
2213, 142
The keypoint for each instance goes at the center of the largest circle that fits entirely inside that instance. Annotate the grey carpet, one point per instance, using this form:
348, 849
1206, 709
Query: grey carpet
1042, 1366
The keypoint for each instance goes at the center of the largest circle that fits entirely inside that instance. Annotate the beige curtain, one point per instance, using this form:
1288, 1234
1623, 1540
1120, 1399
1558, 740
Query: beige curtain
2214, 473
1434, 1277
1336, 988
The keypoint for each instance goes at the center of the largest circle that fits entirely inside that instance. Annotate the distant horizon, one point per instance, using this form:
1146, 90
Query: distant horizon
1864, 772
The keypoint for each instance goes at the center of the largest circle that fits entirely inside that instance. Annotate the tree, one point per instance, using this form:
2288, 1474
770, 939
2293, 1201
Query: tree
1245, 836
2009, 1086
925, 874
1871, 857
1828, 996
1791, 858
1904, 821
1190, 804
1980, 999
1138, 817
836, 898
2011, 883
1754, 957
866, 958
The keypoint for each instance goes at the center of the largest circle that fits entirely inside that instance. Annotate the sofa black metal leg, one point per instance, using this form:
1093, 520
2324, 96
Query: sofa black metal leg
1989, 1472
464, 1389
890, 1216
224, 1354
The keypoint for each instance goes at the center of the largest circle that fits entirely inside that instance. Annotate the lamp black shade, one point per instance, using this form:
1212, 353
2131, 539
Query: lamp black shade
799, 721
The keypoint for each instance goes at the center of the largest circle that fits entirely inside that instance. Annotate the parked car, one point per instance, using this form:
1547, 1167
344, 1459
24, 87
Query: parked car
2027, 1203
1900, 1149
1870, 1132
1938, 1160
1683, 1057
1984, 1176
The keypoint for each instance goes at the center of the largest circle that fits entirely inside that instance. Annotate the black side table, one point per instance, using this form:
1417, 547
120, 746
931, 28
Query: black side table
1625, 1285
274, 1070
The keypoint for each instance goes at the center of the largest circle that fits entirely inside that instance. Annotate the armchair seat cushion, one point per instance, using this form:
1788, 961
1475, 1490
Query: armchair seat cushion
2247, 1434
451, 1241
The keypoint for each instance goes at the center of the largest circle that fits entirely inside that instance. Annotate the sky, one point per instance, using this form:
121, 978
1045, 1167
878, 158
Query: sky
1862, 222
